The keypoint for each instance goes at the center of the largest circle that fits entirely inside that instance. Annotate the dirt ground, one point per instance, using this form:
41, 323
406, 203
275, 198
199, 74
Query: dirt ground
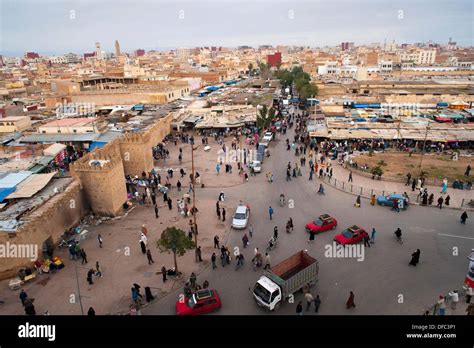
437, 165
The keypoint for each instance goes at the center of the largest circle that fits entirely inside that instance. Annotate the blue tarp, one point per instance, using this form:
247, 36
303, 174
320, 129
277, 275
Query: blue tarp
5, 191
96, 144
138, 107
232, 82
212, 88
13, 179
361, 106
442, 104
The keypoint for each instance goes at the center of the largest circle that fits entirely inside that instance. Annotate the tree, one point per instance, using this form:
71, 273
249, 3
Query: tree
307, 91
174, 240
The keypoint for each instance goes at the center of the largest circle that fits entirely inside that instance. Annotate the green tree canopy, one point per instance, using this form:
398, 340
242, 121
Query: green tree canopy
175, 240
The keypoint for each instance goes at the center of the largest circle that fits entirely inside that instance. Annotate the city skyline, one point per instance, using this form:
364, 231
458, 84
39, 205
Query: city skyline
164, 25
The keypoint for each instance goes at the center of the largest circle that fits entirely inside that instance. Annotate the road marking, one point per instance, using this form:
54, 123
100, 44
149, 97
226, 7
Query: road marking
450, 235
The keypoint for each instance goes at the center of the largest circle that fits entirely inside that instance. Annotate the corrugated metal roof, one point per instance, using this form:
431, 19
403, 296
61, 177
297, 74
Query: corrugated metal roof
13, 179
54, 138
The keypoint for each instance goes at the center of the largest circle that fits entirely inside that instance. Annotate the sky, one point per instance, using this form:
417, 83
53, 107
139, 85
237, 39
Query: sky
62, 26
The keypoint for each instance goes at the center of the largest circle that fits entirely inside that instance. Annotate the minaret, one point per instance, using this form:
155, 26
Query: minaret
117, 49
98, 53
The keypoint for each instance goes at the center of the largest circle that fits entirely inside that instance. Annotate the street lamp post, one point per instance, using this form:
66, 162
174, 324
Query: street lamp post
423, 149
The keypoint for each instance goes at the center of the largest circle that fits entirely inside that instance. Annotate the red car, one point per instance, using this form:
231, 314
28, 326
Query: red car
322, 223
201, 302
351, 235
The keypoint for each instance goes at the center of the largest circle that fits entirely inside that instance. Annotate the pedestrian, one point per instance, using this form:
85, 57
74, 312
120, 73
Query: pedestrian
350, 301
245, 240
267, 261
413, 184
468, 170
89, 276
440, 202
99, 238
149, 257
163, 273
357, 203
309, 299
270, 212
29, 308
446, 200
221, 196
350, 176
178, 185
205, 284
98, 272
219, 215
275, 232
91, 312
317, 303
218, 168
469, 293
198, 254
213, 260
415, 258
23, 296
444, 186
464, 217
454, 299
170, 206
251, 230
192, 280
223, 214
83, 256
431, 199
148, 295
299, 308
216, 242
408, 179
143, 246
372, 239
311, 236
367, 241
372, 200
156, 211
441, 305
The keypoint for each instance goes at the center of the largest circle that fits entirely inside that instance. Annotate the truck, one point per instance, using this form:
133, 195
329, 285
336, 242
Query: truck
283, 280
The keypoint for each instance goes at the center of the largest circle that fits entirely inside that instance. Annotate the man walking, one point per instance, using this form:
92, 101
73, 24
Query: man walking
350, 176
440, 202
267, 261
317, 303
468, 170
98, 272
372, 239
309, 299
198, 254
223, 214
299, 308
213, 260
156, 212
83, 256
408, 179
463, 218
270, 212
89, 276
99, 238
367, 241
163, 273
216, 242
350, 301
148, 256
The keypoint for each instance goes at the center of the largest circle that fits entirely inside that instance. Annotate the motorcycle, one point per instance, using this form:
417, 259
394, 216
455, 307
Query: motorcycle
282, 200
272, 243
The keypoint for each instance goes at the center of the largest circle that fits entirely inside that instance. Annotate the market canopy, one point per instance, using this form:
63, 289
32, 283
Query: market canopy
54, 149
31, 185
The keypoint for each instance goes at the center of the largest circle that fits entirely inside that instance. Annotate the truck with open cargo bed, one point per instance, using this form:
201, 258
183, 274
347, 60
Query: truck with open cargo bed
284, 279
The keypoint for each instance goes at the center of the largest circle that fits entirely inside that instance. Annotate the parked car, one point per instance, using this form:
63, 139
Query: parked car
323, 223
256, 165
388, 199
268, 136
201, 302
241, 217
351, 235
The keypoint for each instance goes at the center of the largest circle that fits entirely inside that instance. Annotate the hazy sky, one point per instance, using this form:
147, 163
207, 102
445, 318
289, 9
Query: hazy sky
61, 26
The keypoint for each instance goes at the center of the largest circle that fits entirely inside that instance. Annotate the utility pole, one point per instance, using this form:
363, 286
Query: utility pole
423, 150
194, 194
79, 292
